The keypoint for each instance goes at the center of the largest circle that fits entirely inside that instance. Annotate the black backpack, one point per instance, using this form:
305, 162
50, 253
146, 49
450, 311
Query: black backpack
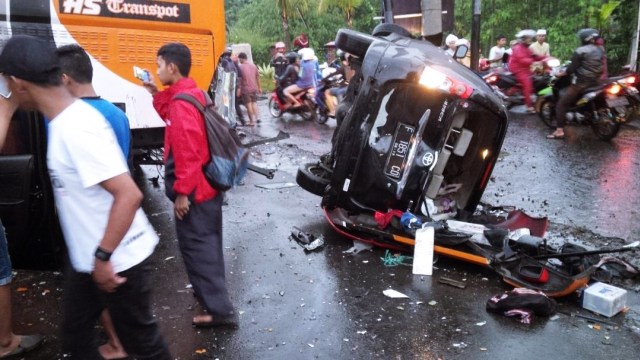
229, 159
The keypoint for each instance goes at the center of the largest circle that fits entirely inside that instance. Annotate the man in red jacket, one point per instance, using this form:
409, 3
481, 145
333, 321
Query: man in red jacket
197, 206
520, 63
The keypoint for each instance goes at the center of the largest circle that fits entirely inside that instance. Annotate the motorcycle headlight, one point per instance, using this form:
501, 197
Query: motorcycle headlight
553, 62
434, 79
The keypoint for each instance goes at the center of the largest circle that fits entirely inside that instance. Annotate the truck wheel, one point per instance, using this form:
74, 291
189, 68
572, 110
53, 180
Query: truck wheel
313, 178
387, 29
353, 42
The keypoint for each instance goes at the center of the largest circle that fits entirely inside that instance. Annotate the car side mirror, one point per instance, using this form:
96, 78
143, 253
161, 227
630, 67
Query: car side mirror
461, 52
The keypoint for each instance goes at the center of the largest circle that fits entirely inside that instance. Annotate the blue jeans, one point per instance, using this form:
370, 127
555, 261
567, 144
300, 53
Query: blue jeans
5, 261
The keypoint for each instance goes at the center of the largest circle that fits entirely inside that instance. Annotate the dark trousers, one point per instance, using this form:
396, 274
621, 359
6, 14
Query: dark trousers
130, 310
239, 102
200, 240
567, 100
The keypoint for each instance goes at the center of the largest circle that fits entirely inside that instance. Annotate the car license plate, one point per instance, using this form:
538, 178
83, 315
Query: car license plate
617, 101
399, 151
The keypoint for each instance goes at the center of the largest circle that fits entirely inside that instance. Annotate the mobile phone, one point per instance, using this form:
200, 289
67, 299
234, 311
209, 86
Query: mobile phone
5, 91
141, 74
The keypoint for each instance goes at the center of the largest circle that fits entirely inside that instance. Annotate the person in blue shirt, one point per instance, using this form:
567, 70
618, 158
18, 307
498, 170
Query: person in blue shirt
77, 76
307, 78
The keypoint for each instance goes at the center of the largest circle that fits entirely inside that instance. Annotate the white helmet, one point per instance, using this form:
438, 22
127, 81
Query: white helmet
451, 39
528, 33
307, 53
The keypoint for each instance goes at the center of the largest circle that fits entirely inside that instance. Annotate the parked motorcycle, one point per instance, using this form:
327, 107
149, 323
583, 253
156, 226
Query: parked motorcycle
604, 107
307, 109
506, 85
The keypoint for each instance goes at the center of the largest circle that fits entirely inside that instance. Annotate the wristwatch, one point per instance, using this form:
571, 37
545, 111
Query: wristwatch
102, 255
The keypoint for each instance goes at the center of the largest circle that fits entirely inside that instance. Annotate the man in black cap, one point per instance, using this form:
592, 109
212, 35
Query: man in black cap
108, 236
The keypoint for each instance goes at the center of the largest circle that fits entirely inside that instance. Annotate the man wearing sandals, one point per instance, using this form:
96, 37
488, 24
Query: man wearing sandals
108, 237
197, 206
587, 67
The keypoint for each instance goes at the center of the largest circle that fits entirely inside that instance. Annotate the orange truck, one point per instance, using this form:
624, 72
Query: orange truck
118, 35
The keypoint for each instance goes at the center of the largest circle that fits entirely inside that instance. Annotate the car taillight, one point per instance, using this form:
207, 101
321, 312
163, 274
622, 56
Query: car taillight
630, 79
491, 79
614, 89
434, 79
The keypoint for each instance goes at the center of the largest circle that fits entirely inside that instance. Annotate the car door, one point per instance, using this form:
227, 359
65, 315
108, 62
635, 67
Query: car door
26, 201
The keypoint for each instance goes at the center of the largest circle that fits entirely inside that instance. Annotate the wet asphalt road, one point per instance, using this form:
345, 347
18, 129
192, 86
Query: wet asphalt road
329, 305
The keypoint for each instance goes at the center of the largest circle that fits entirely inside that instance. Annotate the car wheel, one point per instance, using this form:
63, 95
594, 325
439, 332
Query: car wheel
353, 42
605, 127
386, 29
547, 113
274, 109
313, 177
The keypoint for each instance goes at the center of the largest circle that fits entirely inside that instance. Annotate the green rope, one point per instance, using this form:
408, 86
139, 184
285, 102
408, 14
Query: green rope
390, 259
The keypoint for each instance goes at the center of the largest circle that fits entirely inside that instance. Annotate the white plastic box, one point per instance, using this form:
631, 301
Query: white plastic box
604, 299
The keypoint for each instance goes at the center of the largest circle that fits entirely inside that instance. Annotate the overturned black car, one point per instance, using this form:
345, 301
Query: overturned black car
415, 125
418, 136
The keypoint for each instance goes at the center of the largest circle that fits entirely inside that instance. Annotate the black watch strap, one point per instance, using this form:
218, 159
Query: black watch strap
102, 255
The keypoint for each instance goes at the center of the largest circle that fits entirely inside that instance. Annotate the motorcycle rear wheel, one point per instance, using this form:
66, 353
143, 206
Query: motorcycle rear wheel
547, 113
322, 116
605, 127
274, 108
309, 112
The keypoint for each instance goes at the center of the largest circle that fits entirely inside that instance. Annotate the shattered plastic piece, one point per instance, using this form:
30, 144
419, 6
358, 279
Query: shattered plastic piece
483, 349
460, 345
432, 302
21, 289
201, 351
357, 247
169, 258
394, 294
481, 323
308, 241
311, 345
361, 332
278, 185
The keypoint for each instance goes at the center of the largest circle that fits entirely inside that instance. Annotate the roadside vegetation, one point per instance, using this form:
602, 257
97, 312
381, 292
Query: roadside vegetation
261, 23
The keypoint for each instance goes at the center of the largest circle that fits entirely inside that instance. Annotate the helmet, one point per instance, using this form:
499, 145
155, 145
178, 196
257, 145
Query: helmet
307, 53
292, 57
586, 35
451, 39
228, 50
279, 45
528, 33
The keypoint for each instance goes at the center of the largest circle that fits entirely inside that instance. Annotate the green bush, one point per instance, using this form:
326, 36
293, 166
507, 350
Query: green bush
266, 77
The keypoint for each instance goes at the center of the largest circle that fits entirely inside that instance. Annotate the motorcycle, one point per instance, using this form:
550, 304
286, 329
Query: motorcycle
321, 98
307, 109
506, 85
604, 107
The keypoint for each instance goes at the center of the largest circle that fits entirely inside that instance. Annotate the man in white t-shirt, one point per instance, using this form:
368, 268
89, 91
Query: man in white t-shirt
108, 236
497, 53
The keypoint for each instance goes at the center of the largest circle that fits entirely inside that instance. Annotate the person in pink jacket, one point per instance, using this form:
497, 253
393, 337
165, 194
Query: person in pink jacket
520, 63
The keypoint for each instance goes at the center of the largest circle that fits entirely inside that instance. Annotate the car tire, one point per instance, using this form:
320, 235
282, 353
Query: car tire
387, 29
313, 178
353, 42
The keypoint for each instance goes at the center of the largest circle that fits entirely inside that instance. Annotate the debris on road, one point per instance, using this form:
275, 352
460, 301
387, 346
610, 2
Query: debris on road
357, 247
278, 185
394, 294
448, 281
390, 259
308, 241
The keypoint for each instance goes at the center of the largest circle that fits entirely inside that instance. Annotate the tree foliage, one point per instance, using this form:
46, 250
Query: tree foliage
259, 22
562, 19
